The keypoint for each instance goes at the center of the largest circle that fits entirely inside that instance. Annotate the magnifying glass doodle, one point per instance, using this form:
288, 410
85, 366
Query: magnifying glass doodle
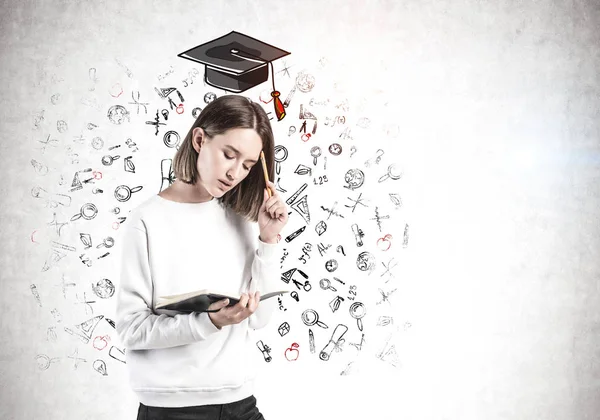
123, 192
310, 318
358, 311
278, 158
393, 172
88, 211
107, 242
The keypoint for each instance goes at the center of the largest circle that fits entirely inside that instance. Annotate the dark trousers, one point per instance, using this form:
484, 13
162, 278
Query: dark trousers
239, 410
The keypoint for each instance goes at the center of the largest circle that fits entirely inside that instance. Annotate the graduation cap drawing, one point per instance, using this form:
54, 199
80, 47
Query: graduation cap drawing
236, 62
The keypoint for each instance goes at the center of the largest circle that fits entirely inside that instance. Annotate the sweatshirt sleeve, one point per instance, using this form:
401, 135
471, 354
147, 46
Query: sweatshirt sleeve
265, 278
136, 324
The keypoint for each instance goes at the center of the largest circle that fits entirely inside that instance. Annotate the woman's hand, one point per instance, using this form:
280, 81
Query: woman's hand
273, 215
236, 313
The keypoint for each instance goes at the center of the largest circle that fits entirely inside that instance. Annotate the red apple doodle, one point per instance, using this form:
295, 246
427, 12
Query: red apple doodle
384, 243
100, 342
292, 353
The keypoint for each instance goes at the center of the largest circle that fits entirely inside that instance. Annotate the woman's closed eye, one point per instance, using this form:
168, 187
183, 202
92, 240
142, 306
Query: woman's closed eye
233, 157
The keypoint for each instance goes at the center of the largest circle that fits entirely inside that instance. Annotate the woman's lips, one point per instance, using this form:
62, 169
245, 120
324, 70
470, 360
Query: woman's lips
224, 185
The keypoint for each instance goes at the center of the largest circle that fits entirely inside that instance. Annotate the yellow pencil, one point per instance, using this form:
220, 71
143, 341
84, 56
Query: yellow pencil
265, 172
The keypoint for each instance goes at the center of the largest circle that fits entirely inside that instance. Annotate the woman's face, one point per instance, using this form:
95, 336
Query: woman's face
226, 158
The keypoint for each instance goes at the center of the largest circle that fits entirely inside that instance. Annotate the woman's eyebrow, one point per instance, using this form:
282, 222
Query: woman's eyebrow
238, 152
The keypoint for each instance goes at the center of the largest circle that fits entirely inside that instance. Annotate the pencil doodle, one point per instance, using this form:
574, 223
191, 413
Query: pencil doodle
405, 237
335, 342
311, 340
295, 234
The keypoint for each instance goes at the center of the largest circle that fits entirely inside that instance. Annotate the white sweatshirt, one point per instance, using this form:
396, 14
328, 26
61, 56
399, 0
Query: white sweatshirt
174, 359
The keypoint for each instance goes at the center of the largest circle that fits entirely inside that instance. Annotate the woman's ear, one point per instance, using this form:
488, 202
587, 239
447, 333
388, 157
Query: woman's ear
198, 138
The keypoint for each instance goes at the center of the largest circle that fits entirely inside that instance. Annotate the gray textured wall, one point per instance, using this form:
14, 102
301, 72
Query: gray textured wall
493, 108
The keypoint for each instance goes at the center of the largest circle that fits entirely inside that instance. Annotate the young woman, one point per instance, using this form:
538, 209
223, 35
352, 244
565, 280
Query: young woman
200, 233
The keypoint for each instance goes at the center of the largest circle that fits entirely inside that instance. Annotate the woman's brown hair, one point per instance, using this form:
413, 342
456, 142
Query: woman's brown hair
220, 115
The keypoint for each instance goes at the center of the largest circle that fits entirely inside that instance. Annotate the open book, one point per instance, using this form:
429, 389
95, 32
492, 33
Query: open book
200, 300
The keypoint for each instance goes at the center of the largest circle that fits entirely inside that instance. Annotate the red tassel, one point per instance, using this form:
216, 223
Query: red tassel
279, 109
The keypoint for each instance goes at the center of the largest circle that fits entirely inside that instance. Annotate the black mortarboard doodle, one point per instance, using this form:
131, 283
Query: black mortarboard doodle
236, 62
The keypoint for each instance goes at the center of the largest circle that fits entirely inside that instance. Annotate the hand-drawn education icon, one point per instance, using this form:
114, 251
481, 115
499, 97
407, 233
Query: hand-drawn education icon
292, 353
123, 192
117, 114
104, 288
394, 172
301, 205
354, 178
334, 343
85, 330
265, 350
358, 311
365, 261
310, 317
88, 211
283, 329
236, 62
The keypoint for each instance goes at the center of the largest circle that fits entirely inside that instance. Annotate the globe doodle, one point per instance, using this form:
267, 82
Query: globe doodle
354, 178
